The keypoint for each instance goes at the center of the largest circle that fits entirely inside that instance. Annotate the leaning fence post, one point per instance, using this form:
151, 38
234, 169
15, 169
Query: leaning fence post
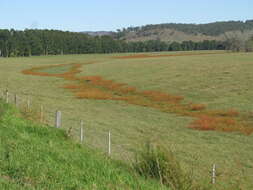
214, 174
109, 143
7, 96
81, 132
58, 119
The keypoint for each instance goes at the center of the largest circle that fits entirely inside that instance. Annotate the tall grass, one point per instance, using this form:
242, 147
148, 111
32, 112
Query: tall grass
154, 161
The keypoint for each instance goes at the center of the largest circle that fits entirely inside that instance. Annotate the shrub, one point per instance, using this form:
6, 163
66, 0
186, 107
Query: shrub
32, 114
158, 163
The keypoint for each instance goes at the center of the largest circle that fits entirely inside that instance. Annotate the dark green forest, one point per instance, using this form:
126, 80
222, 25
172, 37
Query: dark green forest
53, 42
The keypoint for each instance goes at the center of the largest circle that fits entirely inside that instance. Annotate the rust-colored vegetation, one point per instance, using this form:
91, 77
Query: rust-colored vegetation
71, 86
141, 56
209, 123
95, 87
197, 107
68, 75
107, 84
160, 96
93, 93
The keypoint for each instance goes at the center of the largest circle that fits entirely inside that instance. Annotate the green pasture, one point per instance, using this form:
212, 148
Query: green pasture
221, 81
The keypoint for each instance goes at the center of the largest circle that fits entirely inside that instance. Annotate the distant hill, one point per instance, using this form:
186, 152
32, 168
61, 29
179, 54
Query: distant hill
185, 32
99, 33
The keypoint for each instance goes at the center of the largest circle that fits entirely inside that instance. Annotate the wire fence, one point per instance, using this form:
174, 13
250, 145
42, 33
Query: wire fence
79, 129
76, 128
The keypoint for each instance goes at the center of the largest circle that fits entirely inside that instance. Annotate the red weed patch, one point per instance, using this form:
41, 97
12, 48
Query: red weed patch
95, 87
127, 90
160, 96
224, 113
92, 78
109, 84
140, 56
230, 113
72, 86
93, 93
207, 123
70, 75
197, 107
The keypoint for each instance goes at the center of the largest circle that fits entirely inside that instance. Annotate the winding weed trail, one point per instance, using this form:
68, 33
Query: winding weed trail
98, 88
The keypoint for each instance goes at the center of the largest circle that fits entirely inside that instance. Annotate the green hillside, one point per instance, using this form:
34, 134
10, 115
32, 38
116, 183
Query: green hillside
185, 32
38, 157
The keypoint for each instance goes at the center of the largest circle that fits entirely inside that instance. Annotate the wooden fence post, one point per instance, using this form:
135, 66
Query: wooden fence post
213, 174
81, 132
109, 143
7, 96
16, 99
58, 119
28, 104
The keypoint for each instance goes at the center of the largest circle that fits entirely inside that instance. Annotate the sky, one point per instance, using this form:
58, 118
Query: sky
109, 15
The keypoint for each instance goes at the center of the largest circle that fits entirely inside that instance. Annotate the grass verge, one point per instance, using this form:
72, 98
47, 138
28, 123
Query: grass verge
37, 157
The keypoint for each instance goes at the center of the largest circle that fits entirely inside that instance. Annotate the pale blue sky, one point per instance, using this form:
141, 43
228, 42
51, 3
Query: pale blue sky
92, 15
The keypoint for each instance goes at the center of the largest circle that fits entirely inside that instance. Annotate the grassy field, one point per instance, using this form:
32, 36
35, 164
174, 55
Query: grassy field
218, 81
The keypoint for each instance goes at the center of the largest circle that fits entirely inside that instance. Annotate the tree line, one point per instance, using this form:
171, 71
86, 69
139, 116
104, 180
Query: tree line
212, 29
53, 42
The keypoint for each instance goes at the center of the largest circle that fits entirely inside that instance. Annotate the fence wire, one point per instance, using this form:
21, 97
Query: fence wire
92, 136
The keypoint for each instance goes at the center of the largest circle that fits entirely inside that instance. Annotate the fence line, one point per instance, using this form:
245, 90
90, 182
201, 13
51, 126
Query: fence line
27, 104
